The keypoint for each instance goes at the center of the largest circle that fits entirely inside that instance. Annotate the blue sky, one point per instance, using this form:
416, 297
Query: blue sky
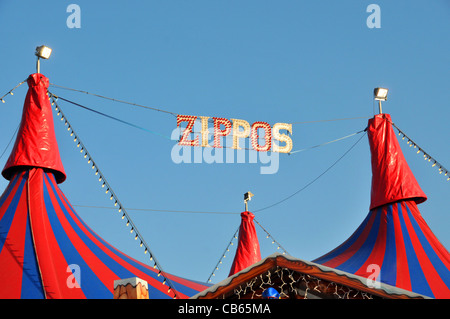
284, 61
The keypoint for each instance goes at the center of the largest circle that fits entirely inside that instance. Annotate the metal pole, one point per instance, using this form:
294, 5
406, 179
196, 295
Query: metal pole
379, 106
38, 66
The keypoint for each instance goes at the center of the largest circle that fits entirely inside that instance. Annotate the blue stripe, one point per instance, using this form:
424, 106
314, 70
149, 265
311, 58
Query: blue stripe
388, 273
31, 283
347, 244
31, 280
118, 269
153, 292
439, 266
419, 283
9, 189
355, 262
92, 287
6, 221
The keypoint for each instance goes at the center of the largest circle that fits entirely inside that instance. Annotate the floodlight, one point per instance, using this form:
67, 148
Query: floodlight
247, 196
380, 94
43, 52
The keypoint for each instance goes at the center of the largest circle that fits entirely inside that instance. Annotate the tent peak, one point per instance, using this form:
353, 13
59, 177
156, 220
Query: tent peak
392, 179
248, 251
36, 144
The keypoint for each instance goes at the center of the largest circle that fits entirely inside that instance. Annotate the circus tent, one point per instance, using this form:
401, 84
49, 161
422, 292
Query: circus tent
42, 239
393, 243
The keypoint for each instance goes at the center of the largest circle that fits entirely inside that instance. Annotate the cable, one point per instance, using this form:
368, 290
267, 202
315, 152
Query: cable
162, 210
307, 185
109, 116
331, 120
175, 114
338, 139
12, 137
232, 213
114, 100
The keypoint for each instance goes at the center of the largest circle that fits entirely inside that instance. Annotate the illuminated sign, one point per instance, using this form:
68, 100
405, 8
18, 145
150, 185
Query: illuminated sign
238, 129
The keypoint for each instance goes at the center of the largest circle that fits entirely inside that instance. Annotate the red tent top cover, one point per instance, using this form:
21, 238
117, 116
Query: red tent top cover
392, 179
247, 252
42, 239
394, 244
36, 144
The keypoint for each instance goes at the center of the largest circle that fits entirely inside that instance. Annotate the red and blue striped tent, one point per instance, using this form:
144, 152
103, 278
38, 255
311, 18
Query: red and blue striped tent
394, 243
41, 235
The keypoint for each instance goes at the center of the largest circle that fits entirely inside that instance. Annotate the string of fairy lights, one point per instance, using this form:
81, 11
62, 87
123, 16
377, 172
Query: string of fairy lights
231, 243
216, 267
112, 196
270, 237
10, 92
426, 156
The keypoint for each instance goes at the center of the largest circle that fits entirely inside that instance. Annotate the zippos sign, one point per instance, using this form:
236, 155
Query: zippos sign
238, 129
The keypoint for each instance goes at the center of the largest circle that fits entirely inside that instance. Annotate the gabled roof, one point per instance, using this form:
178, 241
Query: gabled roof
264, 274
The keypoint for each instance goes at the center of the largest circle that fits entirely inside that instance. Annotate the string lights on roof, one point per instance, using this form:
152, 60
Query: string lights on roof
113, 196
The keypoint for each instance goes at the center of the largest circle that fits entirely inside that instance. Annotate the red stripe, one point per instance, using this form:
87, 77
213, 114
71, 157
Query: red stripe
440, 290
12, 253
186, 282
403, 279
109, 251
8, 200
377, 255
440, 250
354, 248
51, 261
94, 263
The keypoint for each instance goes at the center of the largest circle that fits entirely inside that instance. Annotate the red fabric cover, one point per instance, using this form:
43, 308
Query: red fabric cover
36, 144
392, 179
247, 252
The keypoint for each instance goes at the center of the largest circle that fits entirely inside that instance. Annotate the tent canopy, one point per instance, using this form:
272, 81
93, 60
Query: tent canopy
46, 250
394, 243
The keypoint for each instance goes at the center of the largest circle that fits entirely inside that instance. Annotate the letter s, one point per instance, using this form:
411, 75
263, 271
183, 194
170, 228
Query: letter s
282, 137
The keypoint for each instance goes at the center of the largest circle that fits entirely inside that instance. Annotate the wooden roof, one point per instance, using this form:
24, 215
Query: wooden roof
298, 279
